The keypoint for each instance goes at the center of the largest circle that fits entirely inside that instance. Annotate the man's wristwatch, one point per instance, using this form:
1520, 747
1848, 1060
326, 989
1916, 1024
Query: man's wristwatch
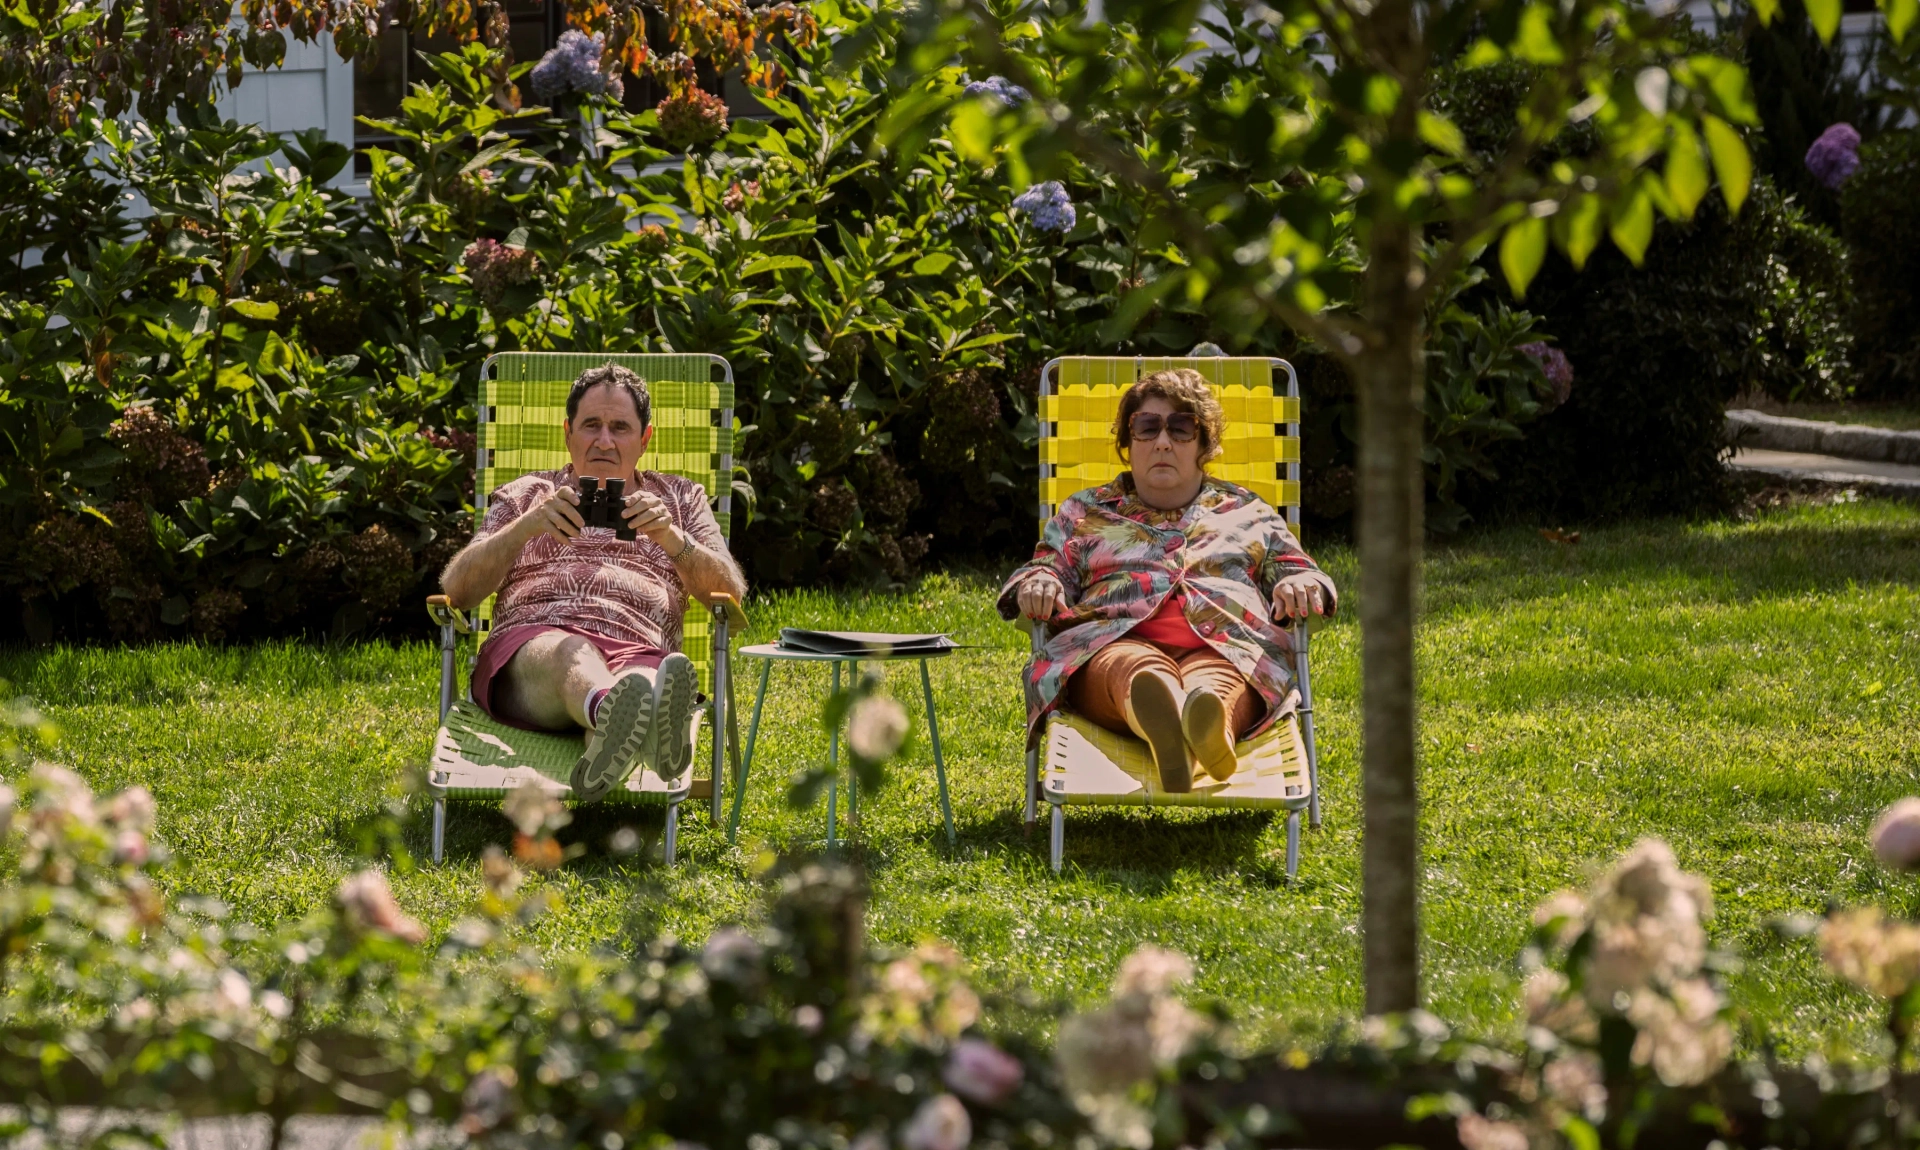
686, 545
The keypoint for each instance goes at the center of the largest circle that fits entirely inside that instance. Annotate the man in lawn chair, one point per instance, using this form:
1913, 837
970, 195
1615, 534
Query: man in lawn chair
1163, 589
587, 626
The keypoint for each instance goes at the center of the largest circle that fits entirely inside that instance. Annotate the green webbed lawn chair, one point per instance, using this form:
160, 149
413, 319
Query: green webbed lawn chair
523, 398
1086, 765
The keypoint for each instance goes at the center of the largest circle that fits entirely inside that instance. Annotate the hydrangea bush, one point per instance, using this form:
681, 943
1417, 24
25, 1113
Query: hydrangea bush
577, 66
1834, 155
252, 412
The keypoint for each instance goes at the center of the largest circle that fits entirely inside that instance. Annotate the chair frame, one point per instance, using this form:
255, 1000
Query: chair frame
1299, 629
727, 616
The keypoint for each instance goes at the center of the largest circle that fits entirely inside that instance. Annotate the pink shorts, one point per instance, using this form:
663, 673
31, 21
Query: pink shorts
501, 646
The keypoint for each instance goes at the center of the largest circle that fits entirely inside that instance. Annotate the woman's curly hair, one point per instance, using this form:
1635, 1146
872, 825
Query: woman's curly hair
1187, 390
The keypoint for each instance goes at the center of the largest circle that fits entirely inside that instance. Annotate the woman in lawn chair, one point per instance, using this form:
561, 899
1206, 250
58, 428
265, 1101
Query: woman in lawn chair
587, 629
1164, 589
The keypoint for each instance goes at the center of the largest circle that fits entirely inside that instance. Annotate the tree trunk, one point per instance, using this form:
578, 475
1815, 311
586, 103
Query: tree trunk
1391, 381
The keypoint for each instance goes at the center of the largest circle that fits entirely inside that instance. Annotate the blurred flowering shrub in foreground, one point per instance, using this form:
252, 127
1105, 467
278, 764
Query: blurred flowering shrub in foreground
793, 1031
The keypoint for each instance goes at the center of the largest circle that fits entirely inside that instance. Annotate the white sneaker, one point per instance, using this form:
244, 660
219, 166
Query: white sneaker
675, 686
622, 734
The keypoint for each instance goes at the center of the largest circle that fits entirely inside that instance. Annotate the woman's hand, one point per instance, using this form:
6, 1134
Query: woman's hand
1041, 597
1298, 596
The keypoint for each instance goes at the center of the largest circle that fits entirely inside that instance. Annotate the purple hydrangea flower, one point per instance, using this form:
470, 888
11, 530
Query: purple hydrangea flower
1003, 89
1047, 207
574, 66
1835, 155
1554, 365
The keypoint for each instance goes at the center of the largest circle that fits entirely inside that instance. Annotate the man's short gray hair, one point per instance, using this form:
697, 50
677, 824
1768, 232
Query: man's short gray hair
612, 375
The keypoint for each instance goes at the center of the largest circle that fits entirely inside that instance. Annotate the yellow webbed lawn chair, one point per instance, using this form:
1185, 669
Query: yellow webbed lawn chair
1086, 765
523, 398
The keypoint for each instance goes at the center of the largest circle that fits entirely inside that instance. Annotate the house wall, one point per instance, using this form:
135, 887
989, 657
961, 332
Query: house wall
312, 89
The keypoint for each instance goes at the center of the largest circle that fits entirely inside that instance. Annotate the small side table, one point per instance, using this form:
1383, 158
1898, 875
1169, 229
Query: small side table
771, 653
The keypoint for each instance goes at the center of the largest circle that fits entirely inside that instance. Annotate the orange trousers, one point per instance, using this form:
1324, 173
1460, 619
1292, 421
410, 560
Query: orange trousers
1098, 690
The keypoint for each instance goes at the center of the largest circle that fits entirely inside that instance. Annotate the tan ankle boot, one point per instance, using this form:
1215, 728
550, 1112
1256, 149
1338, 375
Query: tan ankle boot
1153, 712
1203, 719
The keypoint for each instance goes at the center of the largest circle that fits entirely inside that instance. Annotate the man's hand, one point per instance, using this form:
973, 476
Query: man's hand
1041, 597
1298, 596
557, 515
647, 514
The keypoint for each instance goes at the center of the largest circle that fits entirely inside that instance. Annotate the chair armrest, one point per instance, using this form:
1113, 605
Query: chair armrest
443, 613
736, 618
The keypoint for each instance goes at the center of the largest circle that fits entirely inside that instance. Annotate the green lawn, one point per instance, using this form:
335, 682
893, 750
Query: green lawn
1748, 691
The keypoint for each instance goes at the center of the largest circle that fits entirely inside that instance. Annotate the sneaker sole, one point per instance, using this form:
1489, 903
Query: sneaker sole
1158, 714
625, 726
674, 691
1204, 721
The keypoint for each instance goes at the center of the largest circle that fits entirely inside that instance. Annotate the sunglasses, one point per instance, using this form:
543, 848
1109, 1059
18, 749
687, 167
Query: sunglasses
1181, 426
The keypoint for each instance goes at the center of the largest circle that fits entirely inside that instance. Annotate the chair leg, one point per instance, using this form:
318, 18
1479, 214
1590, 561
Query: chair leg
733, 742
1293, 844
722, 711
448, 647
1059, 837
833, 769
1033, 787
1305, 678
939, 760
439, 826
669, 848
746, 764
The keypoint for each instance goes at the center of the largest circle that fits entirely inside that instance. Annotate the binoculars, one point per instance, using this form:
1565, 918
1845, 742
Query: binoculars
602, 507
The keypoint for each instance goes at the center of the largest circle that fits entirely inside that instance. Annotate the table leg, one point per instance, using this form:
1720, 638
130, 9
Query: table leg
853, 774
939, 760
833, 765
746, 761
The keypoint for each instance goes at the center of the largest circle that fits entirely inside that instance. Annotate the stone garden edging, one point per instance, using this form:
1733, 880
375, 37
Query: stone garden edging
1812, 437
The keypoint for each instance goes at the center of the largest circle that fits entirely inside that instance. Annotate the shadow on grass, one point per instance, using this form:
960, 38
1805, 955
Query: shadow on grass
1139, 851
475, 824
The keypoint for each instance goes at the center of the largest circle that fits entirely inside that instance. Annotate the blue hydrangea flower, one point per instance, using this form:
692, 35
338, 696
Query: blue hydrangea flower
1048, 207
1835, 155
574, 66
999, 87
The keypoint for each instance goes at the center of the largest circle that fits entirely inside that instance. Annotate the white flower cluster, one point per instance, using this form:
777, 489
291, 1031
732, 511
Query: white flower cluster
1105, 1055
876, 728
922, 998
89, 860
1646, 950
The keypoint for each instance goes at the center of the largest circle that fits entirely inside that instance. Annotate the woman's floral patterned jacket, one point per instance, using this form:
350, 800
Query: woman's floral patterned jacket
1118, 559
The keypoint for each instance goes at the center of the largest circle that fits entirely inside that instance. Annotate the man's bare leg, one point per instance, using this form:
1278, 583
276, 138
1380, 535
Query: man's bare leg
548, 680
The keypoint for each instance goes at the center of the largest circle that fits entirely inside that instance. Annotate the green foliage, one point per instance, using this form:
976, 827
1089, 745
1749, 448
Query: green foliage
1481, 389
1883, 238
250, 412
1719, 305
1802, 87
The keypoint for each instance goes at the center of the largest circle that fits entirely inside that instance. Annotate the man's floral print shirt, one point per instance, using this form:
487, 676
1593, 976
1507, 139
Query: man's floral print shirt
1118, 559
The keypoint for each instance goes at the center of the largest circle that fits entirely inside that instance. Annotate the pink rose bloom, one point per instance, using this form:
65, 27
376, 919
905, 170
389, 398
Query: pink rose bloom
941, 1123
982, 1072
130, 847
368, 905
1896, 835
